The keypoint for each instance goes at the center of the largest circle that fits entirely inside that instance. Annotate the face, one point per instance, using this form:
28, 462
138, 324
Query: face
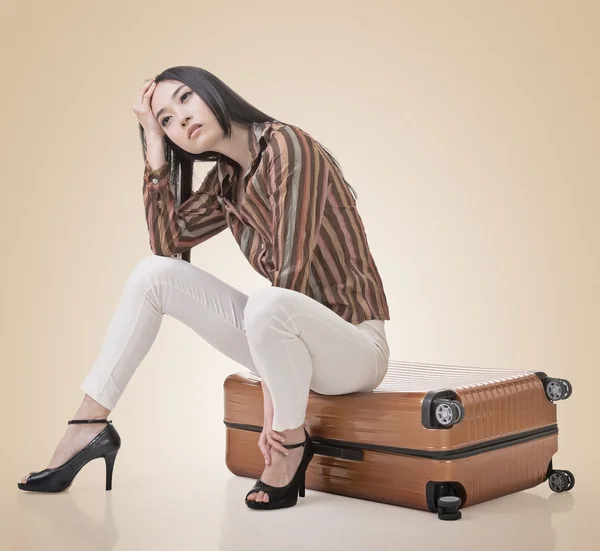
177, 108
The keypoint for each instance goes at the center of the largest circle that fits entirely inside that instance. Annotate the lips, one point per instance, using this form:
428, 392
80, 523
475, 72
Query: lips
192, 128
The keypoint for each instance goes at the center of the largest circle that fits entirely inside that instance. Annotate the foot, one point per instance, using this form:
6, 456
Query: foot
76, 437
280, 472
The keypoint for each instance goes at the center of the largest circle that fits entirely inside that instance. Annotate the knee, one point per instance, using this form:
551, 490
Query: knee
149, 271
268, 307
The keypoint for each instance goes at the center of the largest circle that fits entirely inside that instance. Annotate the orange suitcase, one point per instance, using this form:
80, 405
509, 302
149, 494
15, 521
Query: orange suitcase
431, 437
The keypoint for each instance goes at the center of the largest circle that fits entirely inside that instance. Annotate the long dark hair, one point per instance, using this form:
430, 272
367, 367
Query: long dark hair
227, 106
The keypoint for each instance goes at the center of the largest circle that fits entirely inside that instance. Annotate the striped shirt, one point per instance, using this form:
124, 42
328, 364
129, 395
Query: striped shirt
297, 223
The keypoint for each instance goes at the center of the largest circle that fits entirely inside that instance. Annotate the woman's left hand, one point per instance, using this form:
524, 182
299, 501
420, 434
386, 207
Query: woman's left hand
270, 440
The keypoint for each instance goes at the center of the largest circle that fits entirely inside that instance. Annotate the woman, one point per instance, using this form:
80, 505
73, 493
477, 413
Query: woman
319, 326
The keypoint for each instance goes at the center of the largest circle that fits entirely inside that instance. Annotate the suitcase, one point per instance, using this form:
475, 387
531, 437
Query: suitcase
432, 437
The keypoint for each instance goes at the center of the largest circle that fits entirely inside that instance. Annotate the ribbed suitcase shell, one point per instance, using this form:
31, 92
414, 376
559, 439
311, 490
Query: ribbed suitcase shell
503, 443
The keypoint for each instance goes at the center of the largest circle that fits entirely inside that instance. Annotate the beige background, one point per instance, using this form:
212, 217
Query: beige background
470, 131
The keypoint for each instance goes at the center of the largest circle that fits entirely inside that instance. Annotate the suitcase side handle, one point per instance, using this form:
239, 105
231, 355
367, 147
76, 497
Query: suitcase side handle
338, 452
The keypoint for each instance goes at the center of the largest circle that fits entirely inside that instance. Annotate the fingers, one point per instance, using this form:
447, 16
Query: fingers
146, 93
271, 440
144, 90
149, 92
274, 435
264, 448
147, 84
274, 440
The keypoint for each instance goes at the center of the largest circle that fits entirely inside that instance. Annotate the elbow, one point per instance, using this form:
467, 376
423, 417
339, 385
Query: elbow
163, 247
160, 252
168, 248
167, 251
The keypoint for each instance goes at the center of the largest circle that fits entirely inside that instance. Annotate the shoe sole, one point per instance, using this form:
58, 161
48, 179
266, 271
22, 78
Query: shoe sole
24, 487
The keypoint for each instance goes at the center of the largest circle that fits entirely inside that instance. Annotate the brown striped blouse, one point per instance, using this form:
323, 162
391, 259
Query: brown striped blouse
297, 223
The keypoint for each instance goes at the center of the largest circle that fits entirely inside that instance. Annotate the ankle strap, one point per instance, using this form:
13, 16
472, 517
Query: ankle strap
76, 421
290, 446
306, 439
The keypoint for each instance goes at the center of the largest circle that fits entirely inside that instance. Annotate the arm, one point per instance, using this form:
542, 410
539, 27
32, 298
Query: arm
174, 230
299, 179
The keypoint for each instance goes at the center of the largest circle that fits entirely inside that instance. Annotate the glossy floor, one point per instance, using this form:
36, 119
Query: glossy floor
182, 510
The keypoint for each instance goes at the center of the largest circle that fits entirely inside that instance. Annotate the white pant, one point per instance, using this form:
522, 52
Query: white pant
291, 341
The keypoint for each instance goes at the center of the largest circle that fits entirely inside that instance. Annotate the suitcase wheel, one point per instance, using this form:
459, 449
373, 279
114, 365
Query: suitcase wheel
571, 478
448, 413
561, 481
441, 409
448, 508
557, 389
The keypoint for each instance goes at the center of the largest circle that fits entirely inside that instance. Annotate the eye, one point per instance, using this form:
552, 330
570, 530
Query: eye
182, 96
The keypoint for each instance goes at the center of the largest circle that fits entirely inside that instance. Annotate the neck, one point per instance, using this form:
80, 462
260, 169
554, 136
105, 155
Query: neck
236, 146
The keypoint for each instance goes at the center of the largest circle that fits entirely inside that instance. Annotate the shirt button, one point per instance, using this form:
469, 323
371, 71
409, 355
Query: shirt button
155, 180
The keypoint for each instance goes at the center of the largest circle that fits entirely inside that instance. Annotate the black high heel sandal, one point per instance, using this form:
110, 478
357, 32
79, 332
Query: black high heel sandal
105, 444
285, 496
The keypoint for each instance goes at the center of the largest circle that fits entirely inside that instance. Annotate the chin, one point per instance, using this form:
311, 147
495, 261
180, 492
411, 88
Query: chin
194, 149
197, 150
206, 143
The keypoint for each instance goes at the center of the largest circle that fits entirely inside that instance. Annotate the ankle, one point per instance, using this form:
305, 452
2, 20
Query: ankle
90, 409
294, 436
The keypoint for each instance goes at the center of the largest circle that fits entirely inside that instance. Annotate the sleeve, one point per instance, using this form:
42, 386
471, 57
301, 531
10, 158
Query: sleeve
298, 178
175, 230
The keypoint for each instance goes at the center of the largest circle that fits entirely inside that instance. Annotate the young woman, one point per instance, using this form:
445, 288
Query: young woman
319, 326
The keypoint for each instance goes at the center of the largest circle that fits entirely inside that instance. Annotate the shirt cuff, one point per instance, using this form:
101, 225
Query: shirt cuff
157, 178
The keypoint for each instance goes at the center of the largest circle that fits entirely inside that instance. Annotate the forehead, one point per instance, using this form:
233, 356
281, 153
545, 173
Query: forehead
163, 94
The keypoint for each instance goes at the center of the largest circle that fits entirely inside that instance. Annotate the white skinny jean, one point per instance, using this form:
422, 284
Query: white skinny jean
291, 341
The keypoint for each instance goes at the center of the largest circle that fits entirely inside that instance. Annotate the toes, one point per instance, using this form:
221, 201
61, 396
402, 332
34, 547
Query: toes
259, 497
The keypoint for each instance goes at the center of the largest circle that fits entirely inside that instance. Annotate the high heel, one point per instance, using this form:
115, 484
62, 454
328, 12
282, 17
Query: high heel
285, 496
301, 488
109, 459
106, 444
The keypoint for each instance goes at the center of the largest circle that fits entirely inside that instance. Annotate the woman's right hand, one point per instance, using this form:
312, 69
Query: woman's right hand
143, 112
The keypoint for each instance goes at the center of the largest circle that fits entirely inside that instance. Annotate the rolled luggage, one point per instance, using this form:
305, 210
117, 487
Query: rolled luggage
431, 437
